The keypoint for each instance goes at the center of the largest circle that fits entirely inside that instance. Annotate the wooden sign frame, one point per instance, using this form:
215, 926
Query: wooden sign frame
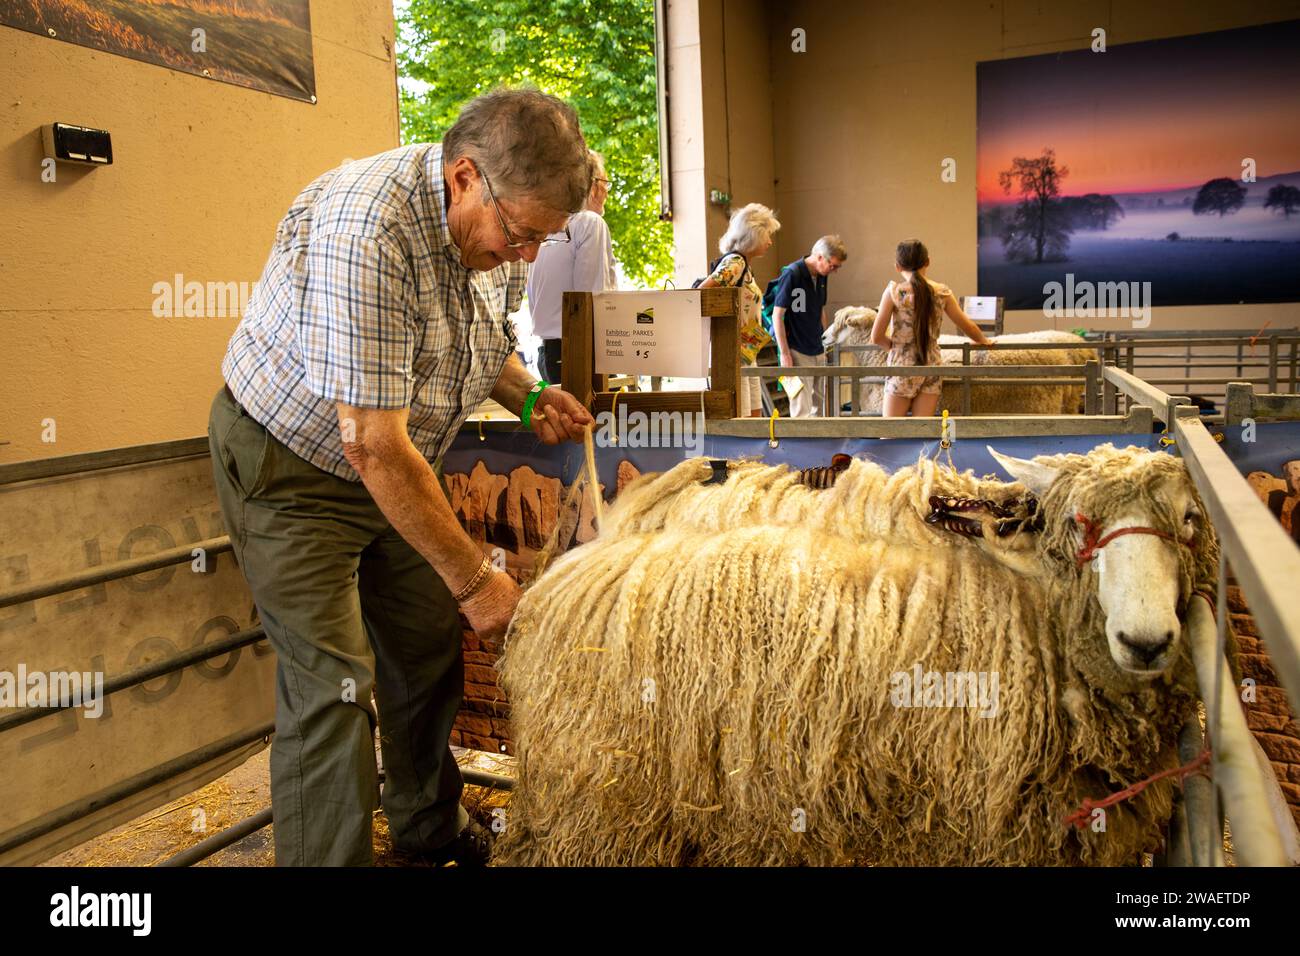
721, 305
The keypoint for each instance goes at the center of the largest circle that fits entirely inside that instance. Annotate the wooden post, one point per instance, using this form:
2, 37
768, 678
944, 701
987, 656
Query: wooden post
1238, 403
1090, 377
1109, 398
833, 357
723, 307
965, 382
577, 350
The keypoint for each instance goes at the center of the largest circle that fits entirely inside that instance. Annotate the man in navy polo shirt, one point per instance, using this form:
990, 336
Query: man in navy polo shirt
799, 317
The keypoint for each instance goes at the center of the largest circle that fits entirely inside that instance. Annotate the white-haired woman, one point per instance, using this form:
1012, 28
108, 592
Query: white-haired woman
748, 236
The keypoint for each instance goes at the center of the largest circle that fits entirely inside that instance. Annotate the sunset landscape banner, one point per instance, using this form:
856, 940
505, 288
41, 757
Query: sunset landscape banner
1174, 162
262, 44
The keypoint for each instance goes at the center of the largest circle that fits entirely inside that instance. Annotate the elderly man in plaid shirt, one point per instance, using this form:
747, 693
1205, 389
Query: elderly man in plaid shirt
379, 324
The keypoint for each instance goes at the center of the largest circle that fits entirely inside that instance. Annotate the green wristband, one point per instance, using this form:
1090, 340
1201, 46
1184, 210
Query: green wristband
526, 416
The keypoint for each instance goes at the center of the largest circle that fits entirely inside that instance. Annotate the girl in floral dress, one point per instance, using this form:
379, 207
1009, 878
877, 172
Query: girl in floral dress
913, 340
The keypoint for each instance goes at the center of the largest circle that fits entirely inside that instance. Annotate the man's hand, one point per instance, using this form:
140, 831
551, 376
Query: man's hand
407, 491
557, 415
563, 416
490, 608
787, 360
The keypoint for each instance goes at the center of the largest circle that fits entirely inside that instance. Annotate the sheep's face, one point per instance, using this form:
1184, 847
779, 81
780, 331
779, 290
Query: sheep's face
851, 326
1141, 581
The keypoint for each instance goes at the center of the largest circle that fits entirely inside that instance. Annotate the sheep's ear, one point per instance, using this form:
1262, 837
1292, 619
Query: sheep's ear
1034, 475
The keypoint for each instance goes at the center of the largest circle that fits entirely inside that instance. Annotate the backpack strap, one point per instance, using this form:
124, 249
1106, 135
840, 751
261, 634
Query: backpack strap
743, 272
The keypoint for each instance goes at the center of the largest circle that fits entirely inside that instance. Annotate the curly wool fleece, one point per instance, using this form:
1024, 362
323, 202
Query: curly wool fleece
709, 681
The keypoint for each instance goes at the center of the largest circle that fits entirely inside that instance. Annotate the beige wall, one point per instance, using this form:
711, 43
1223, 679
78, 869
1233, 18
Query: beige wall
846, 152
202, 173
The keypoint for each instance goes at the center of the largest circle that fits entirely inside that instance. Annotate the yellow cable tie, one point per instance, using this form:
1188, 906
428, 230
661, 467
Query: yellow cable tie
771, 428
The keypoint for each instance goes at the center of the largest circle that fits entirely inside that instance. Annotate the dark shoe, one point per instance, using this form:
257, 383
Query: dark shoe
470, 848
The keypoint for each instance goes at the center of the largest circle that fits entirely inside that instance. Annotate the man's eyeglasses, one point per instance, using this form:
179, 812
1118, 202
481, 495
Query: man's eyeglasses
511, 241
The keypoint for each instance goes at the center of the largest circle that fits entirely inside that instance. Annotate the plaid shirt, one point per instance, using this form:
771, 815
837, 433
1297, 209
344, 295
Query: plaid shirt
364, 301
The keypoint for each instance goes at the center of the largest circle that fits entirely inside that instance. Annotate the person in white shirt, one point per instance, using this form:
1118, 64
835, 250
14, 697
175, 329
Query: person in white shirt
585, 264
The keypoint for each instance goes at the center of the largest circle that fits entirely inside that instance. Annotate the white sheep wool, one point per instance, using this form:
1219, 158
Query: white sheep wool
714, 680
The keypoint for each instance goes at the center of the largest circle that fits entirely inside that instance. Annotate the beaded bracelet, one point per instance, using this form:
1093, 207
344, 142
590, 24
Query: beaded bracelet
476, 582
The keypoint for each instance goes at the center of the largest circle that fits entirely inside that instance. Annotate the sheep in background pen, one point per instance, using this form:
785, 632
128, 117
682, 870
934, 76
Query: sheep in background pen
852, 326
714, 680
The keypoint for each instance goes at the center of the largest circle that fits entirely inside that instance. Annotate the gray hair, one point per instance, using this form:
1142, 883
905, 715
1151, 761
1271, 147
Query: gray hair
749, 228
830, 247
528, 143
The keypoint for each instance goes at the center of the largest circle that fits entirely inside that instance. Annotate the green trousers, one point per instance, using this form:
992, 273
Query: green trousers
350, 609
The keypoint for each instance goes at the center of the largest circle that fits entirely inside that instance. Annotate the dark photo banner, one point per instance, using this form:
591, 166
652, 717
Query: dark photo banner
1167, 170
261, 44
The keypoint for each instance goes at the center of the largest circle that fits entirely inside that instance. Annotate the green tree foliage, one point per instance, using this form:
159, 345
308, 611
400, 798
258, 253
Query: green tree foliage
596, 54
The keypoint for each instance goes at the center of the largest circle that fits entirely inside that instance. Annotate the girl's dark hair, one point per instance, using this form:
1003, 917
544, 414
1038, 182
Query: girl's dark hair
912, 255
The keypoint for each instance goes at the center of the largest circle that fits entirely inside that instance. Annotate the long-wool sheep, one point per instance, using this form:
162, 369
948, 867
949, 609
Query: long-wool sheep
710, 680
852, 326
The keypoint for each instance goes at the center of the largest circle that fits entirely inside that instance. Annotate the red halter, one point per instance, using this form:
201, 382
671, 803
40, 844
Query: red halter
1093, 542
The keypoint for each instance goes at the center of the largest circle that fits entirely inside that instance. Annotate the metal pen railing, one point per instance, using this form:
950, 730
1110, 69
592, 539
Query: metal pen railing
1270, 359
1266, 565
1243, 402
